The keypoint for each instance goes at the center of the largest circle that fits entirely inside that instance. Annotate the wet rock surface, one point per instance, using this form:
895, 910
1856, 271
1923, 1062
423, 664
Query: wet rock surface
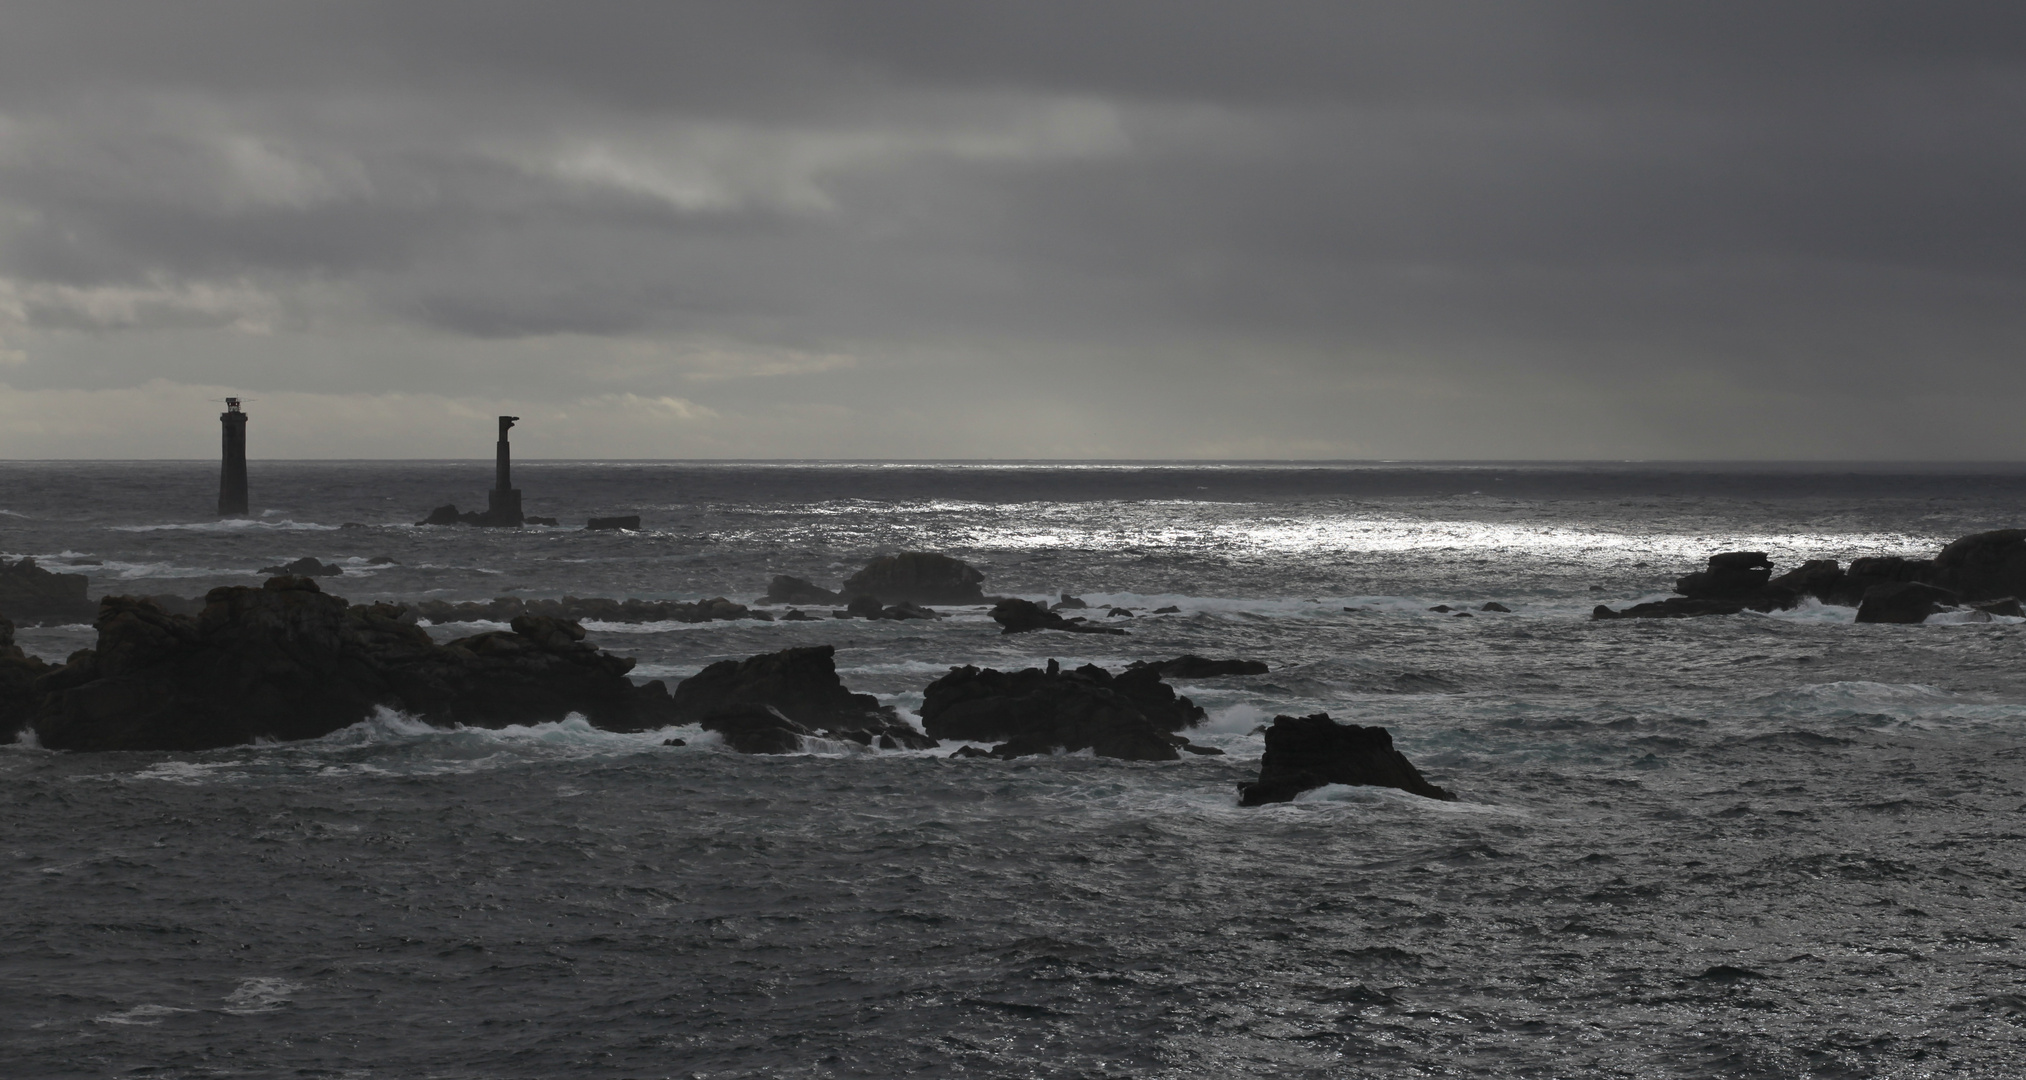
1307, 752
785, 589
307, 566
1903, 602
1133, 715
1192, 666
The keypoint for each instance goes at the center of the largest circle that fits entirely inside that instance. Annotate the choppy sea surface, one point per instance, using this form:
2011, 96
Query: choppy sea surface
1752, 846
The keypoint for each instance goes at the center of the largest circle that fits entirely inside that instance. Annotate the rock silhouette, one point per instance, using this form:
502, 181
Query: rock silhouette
1307, 752
31, 595
793, 590
1017, 616
1192, 666
802, 685
1903, 602
288, 661
917, 577
1033, 711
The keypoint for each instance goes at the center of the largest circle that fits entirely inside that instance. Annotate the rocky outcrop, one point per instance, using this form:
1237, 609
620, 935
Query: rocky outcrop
1903, 602
1196, 667
447, 515
287, 661
1132, 715
1982, 566
1743, 577
587, 609
1307, 752
793, 590
917, 577
30, 595
18, 673
802, 685
1017, 616
307, 566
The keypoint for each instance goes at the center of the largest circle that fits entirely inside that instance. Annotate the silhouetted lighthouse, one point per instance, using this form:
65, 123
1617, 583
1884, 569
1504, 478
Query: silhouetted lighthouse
503, 502
232, 474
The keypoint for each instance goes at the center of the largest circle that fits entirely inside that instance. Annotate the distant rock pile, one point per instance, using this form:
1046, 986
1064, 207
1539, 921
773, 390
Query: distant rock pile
581, 609
307, 566
287, 661
1984, 572
1017, 616
917, 577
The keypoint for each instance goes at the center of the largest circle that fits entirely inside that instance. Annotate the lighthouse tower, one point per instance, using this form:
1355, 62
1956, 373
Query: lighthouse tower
232, 474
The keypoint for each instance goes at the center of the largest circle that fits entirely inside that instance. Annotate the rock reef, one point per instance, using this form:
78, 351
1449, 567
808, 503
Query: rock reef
1017, 616
917, 577
288, 661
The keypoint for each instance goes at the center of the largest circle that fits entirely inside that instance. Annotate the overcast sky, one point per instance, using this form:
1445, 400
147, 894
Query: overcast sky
1033, 229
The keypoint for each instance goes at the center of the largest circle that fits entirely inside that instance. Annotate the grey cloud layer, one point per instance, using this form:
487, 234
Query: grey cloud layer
1153, 203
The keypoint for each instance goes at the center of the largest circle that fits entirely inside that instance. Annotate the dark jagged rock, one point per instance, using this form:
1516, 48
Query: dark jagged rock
798, 615
1132, 715
1017, 616
755, 729
917, 577
803, 685
1118, 613
307, 566
1307, 752
864, 607
1982, 566
382, 560
1192, 666
18, 674
595, 609
31, 595
443, 515
287, 661
1496, 606
1169, 610
1903, 602
630, 522
905, 610
1068, 603
2004, 605
793, 590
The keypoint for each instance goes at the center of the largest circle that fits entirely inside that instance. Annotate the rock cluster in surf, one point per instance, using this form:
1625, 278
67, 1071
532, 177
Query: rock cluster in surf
1983, 573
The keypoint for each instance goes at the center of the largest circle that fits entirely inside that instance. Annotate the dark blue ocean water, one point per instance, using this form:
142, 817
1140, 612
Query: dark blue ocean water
1769, 846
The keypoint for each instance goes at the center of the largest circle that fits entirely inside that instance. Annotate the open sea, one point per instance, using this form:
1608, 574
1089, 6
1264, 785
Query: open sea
1752, 846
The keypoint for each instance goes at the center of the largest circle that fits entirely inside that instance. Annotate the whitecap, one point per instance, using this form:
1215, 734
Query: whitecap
263, 994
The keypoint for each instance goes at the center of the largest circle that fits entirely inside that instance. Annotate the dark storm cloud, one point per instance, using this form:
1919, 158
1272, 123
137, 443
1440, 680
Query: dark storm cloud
1804, 198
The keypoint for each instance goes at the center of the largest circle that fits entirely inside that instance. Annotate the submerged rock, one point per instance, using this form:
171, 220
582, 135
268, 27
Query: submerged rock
802, 685
1017, 616
307, 566
917, 577
1307, 752
31, 595
287, 661
1132, 715
1192, 666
